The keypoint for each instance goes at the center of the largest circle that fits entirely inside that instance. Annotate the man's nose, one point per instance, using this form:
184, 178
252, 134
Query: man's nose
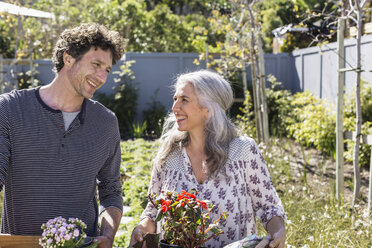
102, 75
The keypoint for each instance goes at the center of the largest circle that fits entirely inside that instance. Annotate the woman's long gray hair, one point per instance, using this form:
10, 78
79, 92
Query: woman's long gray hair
215, 93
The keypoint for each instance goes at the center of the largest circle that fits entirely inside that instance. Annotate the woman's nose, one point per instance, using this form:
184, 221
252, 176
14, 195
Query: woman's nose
175, 106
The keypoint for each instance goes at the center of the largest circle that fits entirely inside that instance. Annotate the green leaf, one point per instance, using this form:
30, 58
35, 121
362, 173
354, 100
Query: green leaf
159, 215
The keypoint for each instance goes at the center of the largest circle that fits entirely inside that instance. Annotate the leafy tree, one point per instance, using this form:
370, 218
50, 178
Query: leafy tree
7, 44
301, 13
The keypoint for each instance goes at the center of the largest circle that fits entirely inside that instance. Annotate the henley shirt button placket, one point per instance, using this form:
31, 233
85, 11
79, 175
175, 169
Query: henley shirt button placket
63, 140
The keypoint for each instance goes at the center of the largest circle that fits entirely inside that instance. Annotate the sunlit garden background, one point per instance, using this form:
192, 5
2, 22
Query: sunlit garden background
229, 36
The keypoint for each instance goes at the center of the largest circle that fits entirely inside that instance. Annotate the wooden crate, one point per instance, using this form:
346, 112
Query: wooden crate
19, 241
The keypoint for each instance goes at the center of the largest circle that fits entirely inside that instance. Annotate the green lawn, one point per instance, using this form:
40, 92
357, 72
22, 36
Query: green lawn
315, 218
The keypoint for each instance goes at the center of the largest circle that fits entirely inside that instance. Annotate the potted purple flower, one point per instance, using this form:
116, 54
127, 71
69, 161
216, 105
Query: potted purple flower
62, 233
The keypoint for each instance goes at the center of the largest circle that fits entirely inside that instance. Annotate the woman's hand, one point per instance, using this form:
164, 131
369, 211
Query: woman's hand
137, 235
276, 228
145, 226
278, 239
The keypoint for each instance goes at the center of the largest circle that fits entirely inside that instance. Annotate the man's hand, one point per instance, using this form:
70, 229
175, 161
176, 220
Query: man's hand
110, 221
104, 242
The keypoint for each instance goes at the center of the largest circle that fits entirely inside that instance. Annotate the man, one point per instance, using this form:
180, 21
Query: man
57, 145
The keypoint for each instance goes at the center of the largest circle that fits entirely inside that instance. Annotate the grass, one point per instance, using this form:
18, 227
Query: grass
315, 218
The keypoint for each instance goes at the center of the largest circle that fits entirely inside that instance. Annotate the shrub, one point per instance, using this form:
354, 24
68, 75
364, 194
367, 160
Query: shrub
154, 117
313, 124
246, 121
124, 102
349, 123
28, 79
279, 107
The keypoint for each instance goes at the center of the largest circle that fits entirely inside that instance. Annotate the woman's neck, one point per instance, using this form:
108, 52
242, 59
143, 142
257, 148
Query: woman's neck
196, 142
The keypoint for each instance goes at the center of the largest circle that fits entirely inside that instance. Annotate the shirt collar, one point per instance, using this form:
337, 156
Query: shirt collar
81, 115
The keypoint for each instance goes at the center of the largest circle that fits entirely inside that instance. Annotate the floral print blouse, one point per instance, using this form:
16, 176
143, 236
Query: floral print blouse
247, 191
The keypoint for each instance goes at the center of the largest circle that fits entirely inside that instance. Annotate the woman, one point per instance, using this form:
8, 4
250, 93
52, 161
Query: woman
200, 148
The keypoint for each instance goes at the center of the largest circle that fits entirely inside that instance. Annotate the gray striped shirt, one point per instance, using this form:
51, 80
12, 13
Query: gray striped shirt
49, 172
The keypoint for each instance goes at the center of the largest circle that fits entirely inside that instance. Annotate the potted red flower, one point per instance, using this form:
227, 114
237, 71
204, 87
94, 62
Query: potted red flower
185, 219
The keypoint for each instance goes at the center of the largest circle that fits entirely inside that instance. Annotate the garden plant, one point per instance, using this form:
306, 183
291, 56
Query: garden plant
185, 219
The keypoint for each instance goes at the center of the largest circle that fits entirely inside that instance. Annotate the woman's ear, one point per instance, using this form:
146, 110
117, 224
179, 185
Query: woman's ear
205, 111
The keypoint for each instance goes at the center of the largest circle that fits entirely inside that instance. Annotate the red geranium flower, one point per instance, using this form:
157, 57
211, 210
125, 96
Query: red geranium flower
165, 206
184, 219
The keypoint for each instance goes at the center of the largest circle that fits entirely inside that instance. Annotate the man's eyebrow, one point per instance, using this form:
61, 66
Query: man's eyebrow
102, 63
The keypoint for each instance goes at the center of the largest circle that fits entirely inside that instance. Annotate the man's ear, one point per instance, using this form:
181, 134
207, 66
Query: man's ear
68, 60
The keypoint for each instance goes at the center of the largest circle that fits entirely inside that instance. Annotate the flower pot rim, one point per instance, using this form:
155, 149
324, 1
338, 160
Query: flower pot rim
171, 245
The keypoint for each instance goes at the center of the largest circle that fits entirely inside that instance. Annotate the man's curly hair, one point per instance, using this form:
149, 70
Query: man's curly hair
77, 41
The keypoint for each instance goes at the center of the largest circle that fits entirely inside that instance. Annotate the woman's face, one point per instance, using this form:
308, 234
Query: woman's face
190, 115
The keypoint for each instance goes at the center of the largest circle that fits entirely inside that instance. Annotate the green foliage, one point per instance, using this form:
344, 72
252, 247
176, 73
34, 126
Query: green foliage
7, 44
154, 116
279, 107
167, 31
185, 219
310, 120
349, 122
315, 219
276, 13
301, 13
27, 79
147, 26
366, 101
364, 149
136, 166
246, 121
313, 124
124, 102
138, 129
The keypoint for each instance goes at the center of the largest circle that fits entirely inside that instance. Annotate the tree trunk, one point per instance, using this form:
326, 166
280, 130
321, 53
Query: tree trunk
255, 81
257, 115
345, 8
358, 109
1, 74
340, 112
262, 79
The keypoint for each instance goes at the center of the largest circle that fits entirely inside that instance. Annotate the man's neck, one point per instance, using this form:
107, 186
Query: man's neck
59, 96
